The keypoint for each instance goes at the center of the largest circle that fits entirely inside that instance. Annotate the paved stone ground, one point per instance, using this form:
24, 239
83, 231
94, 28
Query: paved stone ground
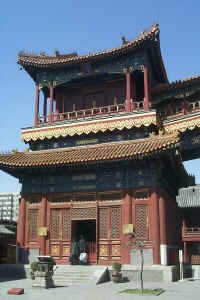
184, 290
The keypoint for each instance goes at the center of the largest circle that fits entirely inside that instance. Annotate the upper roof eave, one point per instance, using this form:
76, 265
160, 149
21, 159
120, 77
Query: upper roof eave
43, 61
165, 88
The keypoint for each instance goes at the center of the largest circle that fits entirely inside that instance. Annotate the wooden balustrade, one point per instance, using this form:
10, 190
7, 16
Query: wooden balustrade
191, 231
93, 112
179, 110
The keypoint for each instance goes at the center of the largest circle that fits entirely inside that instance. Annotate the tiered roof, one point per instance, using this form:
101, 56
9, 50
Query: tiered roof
136, 149
165, 89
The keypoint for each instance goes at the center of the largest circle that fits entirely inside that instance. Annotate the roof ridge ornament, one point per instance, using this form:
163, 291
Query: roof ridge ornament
124, 40
45, 61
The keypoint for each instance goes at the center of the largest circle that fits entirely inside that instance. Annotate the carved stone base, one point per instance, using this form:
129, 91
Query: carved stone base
43, 280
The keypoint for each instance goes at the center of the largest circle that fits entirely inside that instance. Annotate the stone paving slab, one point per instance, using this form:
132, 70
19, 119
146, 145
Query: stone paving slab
184, 290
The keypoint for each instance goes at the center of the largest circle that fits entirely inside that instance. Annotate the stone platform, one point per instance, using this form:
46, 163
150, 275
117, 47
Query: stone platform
154, 273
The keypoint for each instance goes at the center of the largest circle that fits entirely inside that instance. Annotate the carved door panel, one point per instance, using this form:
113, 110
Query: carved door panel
60, 229
109, 234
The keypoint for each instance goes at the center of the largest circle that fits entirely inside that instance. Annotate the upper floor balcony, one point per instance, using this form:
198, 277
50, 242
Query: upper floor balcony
93, 112
170, 112
110, 97
190, 233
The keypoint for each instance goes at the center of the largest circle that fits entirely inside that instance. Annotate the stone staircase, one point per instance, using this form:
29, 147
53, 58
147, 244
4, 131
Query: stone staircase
65, 275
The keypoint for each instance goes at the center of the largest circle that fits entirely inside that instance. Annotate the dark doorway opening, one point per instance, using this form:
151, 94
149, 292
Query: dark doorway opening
87, 228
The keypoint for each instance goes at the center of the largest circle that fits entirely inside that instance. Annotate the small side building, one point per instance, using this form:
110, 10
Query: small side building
188, 200
9, 206
8, 242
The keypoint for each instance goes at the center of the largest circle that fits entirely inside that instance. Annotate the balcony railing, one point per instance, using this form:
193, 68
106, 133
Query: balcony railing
180, 110
92, 112
194, 259
191, 232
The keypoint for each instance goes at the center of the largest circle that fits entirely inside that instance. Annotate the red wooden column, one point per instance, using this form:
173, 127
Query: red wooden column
43, 223
83, 97
51, 103
163, 237
105, 100
185, 106
185, 252
128, 90
21, 223
134, 94
97, 231
37, 99
126, 219
146, 89
58, 98
185, 243
155, 226
45, 108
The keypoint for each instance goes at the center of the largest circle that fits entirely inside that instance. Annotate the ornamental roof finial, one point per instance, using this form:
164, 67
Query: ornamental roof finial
57, 53
124, 41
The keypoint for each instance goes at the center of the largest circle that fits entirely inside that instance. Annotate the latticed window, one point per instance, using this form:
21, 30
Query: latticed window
141, 216
115, 222
33, 224
54, 224
66, 224
103, 223
84, 213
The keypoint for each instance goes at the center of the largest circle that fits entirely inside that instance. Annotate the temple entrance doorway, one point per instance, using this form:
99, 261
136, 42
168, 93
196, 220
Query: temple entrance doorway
87, 228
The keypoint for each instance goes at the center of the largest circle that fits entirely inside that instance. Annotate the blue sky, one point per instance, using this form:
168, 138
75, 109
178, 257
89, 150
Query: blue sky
84, 26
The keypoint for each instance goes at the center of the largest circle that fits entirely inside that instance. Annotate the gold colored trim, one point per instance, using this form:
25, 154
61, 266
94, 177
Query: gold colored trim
93, 127
42, 231
183, 125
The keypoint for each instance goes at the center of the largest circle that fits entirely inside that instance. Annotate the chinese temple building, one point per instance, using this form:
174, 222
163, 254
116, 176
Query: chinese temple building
107, 147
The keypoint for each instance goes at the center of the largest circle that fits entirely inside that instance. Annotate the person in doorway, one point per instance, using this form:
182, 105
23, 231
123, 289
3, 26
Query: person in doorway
82, 244
74, 252
83, 258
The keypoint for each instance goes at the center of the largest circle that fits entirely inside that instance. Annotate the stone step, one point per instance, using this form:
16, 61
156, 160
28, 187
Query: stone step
67, 275
72, 278
72, 275
69, 279
69, 282
74, 271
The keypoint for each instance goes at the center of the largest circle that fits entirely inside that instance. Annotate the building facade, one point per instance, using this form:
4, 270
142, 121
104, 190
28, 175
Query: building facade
9, 206
106, 151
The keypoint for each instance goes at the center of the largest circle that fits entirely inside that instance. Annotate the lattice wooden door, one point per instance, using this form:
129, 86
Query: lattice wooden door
60, 234
141, 221
109, 234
